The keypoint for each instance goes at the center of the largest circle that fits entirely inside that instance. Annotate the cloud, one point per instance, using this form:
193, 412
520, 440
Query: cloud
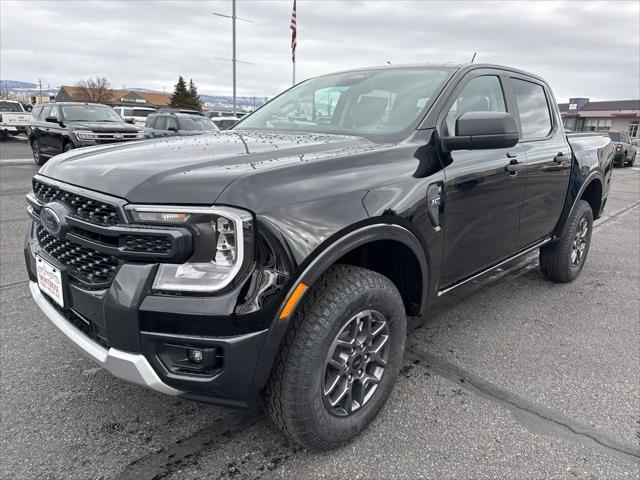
587, 49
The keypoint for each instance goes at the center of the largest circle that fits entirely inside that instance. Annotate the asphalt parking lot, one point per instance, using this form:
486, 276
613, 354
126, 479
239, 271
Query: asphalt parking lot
510, 377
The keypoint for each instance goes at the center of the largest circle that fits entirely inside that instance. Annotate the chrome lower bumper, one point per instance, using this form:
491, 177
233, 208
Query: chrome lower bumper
132, 367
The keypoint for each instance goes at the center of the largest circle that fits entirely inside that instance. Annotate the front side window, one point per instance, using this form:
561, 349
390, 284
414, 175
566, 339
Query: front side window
535, 118
481, 94
171, 124
368, 102
161, 123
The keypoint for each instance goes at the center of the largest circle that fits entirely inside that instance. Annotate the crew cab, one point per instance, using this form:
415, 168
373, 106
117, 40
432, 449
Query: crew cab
135, 115
62, 126
13, 118
280, 259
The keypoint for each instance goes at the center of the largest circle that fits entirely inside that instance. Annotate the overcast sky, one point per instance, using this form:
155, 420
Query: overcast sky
589, 49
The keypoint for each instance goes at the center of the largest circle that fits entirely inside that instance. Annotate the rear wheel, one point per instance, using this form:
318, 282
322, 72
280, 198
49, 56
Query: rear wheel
563, 260
340, 358
37, 153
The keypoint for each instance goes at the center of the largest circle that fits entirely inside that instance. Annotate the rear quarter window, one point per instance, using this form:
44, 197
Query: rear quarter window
533, 108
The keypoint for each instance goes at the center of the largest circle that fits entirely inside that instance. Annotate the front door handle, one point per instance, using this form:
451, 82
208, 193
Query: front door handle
559, 158
514, 167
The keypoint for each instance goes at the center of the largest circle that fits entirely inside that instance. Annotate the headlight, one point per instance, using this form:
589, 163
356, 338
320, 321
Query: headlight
85, 135
220, 245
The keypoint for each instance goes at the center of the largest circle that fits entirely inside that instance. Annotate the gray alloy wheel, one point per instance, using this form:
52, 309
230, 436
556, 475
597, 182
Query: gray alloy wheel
579, 242
37, 154
355, 363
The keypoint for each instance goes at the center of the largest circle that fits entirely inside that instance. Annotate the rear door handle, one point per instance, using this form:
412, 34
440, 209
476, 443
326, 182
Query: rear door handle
514, 167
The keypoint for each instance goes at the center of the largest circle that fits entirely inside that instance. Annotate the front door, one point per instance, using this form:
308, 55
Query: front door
482, 198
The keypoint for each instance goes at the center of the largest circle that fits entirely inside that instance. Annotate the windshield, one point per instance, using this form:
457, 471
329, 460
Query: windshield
381, 101
10, 107
197, 123
615, 136
90, 113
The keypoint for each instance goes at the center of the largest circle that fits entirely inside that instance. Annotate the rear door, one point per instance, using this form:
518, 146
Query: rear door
547, 156
481, 198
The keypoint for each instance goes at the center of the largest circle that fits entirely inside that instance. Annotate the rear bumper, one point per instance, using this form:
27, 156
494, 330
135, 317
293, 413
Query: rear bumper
131, 367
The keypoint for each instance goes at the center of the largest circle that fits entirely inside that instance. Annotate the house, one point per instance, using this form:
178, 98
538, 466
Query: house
581, 115
118, 97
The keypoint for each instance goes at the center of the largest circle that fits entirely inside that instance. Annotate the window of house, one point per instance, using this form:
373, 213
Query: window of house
633, 129
481, 94
597, 125
535, 118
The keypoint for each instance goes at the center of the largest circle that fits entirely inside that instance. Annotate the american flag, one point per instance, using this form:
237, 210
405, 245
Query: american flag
294, 31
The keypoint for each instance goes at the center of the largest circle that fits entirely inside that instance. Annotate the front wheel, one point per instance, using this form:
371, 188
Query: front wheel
37, 153
563, 260
340, 358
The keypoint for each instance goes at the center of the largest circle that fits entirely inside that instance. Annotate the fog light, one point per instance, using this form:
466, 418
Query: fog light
195, 356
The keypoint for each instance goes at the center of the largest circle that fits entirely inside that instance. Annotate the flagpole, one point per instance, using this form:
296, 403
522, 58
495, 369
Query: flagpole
294, 41
294, 73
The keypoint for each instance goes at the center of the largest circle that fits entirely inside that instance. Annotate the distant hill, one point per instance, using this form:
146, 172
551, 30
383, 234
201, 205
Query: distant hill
11, 84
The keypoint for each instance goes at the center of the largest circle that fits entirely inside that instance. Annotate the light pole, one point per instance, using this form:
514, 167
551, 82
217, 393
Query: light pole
234, 60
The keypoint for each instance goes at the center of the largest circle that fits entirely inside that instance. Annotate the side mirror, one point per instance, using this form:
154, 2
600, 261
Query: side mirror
483, 130
130, 120
52, 120
172, 129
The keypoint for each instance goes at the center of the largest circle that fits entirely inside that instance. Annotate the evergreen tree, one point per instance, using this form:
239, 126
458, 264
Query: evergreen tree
194, 97
181, 97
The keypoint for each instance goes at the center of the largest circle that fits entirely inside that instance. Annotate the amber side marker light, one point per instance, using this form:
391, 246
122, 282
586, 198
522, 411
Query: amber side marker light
292, 301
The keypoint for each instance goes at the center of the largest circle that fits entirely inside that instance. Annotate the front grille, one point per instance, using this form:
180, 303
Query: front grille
81, 207
84, 264
147, 243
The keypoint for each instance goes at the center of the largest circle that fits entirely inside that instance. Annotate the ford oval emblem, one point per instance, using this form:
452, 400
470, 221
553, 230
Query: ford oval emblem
50, 220
53, 217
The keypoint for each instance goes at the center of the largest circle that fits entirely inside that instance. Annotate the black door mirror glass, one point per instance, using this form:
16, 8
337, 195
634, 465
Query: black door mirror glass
51, 119
483, 130
130, 120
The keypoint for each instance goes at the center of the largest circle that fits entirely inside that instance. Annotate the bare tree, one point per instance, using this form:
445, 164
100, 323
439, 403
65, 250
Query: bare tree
94, 90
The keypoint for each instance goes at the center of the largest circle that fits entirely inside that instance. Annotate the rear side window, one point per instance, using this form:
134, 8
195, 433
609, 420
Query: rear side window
535, 117
481, 94
161, 123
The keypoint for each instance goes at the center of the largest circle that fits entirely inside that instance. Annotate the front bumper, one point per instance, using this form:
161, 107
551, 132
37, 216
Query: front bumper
135, 334
128, 366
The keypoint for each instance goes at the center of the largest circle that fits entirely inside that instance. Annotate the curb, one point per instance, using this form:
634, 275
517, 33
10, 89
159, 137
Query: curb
9, 162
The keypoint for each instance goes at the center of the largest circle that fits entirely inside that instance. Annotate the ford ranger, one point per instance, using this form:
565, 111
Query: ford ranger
281, 258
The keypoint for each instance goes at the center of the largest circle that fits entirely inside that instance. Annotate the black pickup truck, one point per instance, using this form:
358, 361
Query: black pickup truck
280, 259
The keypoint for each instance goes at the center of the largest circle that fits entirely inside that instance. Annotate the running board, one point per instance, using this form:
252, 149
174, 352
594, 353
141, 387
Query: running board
479, 274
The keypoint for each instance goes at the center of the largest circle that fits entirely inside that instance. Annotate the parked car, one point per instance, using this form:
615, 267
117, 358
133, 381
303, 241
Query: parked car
135, 115
225, 123
625, 149
59, 127
281, 258
13, 118
169, 124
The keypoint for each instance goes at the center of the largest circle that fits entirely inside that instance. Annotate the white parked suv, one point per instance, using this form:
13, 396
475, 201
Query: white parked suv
135, 115
13, 118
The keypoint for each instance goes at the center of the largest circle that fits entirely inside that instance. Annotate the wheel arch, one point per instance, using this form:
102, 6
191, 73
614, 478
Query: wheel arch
594, 198
351, 248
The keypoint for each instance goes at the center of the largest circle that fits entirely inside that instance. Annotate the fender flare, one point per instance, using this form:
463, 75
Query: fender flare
594, 175
326, 257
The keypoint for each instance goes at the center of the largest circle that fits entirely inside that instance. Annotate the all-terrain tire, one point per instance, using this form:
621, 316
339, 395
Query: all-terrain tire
37, 153
294, 396
560, 261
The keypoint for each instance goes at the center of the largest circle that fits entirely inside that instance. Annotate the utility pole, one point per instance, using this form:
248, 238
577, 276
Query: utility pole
234, 60
40, 89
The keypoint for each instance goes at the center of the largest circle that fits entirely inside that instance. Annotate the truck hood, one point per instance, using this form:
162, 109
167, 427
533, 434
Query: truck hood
103, 127
189, 170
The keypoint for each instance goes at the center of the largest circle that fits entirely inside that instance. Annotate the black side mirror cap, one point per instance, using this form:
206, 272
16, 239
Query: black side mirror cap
483, 130
52, 120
